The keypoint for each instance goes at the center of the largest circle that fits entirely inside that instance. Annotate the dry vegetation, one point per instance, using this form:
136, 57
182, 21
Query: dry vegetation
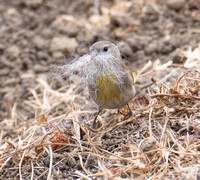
160, 140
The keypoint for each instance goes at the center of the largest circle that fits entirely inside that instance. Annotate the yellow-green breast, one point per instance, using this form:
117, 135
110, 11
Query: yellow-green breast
108, 88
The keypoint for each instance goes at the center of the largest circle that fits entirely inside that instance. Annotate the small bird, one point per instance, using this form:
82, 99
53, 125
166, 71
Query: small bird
110, 84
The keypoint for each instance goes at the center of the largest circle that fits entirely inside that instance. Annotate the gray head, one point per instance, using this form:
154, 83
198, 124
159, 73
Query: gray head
104, 48
105, 60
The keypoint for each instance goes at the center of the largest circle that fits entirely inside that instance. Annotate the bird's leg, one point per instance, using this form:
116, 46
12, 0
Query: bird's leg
94, 124
129, 109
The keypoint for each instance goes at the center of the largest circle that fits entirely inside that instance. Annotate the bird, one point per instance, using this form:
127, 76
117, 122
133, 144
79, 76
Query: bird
110, 83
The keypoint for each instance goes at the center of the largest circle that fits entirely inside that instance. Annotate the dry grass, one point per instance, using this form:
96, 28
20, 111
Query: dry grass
159, 141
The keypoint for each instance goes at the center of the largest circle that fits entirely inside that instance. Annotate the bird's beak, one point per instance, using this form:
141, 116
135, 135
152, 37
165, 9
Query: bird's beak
93, 54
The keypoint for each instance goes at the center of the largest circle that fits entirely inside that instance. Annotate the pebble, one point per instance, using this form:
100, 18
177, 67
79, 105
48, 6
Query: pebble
33, 3
148, 144
125, 49
12, 12
135, 44
39, 68
42, 55
39, 42
151, 47
175, 4
69, 28
13, 51
57, 55
63, 44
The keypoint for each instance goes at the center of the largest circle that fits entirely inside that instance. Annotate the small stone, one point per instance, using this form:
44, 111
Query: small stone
33, 3
67, 25
57, 55
39, 68
125, 49
12, 12
148, 144
175, 4
63, 44
38, 42
134, 43
46, 33
42, 55
13, 51
151, 47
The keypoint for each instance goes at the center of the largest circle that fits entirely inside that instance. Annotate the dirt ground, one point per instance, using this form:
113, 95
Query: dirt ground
36, 36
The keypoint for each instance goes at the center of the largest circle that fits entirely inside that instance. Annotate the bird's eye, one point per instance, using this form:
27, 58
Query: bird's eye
105, 49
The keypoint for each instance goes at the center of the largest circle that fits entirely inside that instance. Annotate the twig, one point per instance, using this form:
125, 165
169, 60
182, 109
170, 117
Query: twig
32, 172
50, 163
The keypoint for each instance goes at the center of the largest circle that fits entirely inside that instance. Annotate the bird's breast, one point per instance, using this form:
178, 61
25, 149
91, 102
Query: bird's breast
108, 87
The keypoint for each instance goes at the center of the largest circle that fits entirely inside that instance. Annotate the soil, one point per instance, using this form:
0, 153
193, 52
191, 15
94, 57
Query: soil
29, 48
